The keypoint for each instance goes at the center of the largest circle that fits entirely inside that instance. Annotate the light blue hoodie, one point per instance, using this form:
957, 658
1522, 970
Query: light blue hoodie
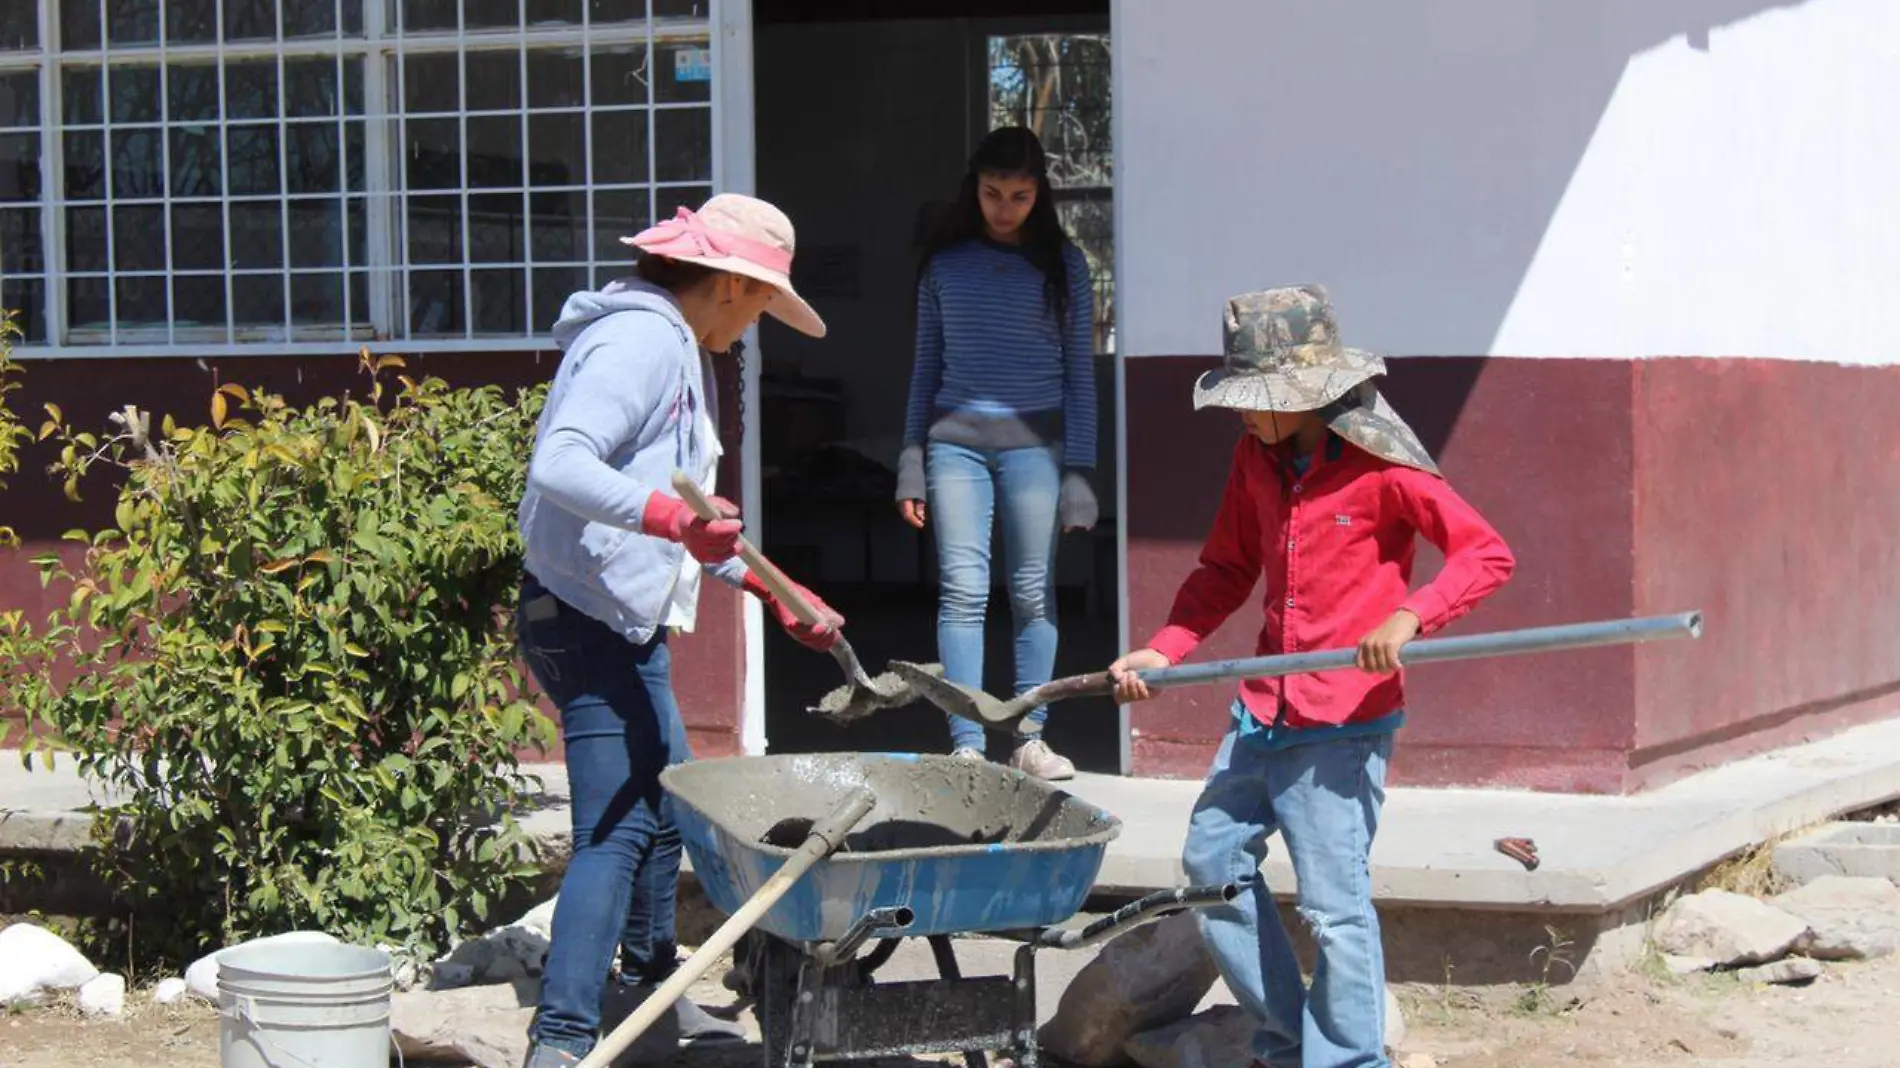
623, 413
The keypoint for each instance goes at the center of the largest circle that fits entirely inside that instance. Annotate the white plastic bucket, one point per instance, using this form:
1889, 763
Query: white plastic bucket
304, 1005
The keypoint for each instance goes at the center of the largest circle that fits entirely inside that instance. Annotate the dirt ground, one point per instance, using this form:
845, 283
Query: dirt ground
1847, 1019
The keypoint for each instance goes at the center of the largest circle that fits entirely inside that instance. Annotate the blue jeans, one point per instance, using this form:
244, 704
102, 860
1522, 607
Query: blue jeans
1324, 799
622, 728
965, 486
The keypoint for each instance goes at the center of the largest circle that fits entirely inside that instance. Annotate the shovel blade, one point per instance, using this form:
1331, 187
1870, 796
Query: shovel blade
927, 681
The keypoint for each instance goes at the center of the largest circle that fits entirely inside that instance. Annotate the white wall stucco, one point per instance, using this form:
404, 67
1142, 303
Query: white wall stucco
1611, 178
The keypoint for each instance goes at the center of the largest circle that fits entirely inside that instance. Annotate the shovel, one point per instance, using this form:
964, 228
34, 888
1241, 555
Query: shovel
971, 703
861, 694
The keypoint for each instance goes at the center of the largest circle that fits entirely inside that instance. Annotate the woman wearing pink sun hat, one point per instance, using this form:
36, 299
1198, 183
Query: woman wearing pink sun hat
613, 564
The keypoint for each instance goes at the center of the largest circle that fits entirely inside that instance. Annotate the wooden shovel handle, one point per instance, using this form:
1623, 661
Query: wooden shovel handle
768, 572
1093, 684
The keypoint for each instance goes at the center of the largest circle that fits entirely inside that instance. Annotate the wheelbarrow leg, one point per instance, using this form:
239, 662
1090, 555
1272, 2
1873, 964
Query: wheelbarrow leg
947, 969
1028, 1053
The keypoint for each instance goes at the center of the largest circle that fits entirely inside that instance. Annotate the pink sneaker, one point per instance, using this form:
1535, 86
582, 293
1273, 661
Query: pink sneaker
1034, 757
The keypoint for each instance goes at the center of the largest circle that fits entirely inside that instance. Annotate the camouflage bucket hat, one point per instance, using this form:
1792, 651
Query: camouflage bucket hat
1282, 353
1365, 418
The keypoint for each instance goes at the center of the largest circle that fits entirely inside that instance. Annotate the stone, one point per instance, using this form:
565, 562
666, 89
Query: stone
1222, 1036
1729, 928
1218, 1038
104, 996
451, 976
34, 962
485, 1026
202, 976
539, 919
1419, 1060
1146, 979
504, 969
170, 991
503, 955
1687, 965
1395, 1030
1851, 918
1787, 970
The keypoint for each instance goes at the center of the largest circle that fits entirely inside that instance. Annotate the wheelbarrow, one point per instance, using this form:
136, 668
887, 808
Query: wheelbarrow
949, 848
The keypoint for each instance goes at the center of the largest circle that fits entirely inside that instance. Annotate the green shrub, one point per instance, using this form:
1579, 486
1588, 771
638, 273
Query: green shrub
12, 431
295, 659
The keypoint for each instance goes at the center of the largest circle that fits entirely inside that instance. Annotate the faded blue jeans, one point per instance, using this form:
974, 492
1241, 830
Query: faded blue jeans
968, 490
1324, 798
621, 727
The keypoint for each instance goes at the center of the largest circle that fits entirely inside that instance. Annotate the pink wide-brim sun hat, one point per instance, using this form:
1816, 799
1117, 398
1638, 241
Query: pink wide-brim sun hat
742, 235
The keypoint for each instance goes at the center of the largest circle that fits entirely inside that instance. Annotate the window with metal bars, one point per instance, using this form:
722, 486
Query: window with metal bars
248, 173
1057, 85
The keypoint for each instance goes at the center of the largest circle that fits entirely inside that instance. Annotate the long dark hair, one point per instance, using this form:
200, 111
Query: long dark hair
1010, 152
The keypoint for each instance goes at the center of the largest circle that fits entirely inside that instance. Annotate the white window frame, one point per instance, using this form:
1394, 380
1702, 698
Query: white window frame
383, 50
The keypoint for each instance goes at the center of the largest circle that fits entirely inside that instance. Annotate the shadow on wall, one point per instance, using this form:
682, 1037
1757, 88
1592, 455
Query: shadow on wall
1412, 160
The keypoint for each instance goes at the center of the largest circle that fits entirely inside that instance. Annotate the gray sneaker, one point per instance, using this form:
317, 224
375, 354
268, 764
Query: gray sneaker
701, 1028
965, 752
1034, 757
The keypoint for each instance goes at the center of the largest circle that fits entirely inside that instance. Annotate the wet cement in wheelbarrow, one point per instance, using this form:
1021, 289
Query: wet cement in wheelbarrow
790, 833
932, 803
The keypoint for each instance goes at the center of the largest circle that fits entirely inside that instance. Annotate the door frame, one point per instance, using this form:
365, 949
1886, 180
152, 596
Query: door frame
735, 170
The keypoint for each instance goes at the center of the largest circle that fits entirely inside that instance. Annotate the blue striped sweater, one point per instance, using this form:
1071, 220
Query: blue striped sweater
989, 351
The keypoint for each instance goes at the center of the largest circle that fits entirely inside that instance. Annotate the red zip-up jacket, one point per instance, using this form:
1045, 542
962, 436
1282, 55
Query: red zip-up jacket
1336, 545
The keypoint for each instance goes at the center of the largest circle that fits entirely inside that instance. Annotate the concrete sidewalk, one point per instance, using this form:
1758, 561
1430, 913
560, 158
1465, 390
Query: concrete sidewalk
1434, 848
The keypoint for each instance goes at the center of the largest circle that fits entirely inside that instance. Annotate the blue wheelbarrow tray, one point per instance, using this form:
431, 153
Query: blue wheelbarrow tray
968, 846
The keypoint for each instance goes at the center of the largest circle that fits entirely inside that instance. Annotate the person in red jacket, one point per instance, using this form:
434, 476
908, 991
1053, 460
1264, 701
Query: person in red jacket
1328, 490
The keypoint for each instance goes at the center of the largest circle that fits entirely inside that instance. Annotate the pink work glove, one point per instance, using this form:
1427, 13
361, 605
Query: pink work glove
710, 542
821, 637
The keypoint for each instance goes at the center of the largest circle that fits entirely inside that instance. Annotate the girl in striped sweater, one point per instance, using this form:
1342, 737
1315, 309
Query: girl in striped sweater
1001, 422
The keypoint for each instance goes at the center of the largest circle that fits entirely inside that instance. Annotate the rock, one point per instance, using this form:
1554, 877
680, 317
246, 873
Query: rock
104, 996
1223, 1036
1789, 970
1687, 965
1851, 918
1218, 1038
540, 919
34, 961
488, 1025
500, 956
170, 991
504, 969
483, 1025
451, 976
1395, 1029
1148, 978
1728, 928
202, 976
1419, 1060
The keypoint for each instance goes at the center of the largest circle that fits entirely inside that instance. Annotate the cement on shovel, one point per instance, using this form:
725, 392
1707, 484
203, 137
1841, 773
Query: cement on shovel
854, 701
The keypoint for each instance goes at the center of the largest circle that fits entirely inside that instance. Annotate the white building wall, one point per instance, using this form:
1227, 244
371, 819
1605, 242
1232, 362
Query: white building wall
1610, 178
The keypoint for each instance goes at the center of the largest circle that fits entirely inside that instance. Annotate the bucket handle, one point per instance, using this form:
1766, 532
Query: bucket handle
241, 1011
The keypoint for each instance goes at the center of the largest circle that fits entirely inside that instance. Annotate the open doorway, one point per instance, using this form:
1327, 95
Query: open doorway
864, 121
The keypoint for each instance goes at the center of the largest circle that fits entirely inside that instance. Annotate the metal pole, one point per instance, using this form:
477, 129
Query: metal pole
1470, 647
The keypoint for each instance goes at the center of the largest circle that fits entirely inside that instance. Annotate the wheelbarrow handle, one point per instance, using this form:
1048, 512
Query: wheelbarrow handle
824, 838
782, 588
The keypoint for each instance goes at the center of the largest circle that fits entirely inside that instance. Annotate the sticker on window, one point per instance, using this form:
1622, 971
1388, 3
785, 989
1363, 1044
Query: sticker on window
693, 65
